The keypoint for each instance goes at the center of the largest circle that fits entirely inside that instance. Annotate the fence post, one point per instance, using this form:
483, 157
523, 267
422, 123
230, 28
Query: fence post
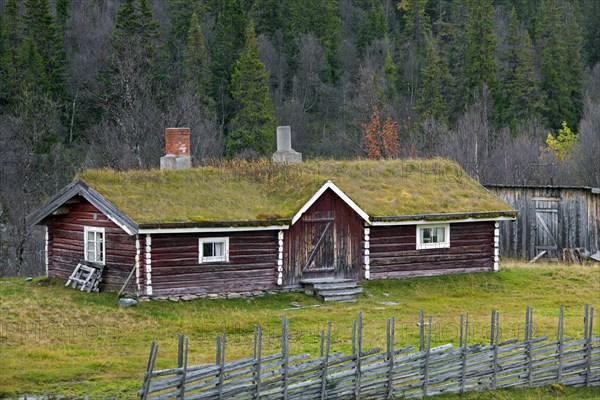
421, 330
496, 336
257, 358
182, 350
492, 330
391, 329
358, 356
589, 347
325, 361
426, 367
529, 334
149, 369
223, 344
284, 351
463, 368
561, 344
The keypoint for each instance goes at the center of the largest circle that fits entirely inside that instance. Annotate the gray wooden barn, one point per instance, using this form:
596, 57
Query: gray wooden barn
551, 218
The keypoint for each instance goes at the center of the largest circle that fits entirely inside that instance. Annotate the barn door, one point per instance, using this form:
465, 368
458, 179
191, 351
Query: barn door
319, 237
546, 220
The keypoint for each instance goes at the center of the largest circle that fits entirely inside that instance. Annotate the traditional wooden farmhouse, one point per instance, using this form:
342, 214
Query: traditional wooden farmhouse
243, 226
552, 220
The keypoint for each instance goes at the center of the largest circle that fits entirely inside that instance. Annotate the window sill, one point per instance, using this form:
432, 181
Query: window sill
433, 246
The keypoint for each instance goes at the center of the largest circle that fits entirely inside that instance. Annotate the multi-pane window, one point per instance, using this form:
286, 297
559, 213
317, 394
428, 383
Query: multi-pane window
94, 244
433, 237
214, 250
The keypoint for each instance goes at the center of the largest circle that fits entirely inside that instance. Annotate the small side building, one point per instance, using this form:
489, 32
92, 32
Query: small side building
551, 218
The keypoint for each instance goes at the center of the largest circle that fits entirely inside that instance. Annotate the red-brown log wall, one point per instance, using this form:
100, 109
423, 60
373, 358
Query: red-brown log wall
66, 244
393, 251
252, 264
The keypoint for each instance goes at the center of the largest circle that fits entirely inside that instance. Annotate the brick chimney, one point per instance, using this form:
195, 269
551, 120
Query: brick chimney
177, 148
285, 154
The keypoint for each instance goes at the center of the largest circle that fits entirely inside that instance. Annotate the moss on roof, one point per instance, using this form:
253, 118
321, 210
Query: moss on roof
261, 190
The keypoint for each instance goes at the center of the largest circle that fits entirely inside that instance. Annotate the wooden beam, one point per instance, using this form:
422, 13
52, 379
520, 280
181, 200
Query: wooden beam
61, 211
540, 255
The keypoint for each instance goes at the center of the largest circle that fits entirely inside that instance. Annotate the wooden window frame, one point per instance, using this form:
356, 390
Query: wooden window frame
213, 259
436, 245
96, 230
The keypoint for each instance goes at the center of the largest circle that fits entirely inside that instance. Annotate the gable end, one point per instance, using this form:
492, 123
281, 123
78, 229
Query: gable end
341, 195
82, 189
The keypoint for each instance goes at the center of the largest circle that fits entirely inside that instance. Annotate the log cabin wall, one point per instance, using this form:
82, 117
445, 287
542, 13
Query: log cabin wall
393, 252
176, 270
348, 237
66, 243
571, 219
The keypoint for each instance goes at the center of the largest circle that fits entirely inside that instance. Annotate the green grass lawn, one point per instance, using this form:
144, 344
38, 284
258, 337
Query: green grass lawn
60, 341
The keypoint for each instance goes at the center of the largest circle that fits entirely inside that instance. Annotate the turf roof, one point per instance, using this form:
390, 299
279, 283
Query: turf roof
261, 190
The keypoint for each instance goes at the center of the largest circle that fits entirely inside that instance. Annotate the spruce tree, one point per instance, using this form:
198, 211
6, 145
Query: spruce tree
181, 13
452, 39
416, 22
391, 74
35, 80
321, 18
268, 17
10, 62
520, 94
41, 26
481, 44
372, 26
416, 32
253, 126
228, 41
591, 24
62, 13
196, 67
134, 48
430, 102
561, 69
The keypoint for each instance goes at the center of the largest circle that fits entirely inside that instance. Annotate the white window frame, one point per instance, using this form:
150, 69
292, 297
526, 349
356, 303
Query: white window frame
211, 259
94, 229
437, 245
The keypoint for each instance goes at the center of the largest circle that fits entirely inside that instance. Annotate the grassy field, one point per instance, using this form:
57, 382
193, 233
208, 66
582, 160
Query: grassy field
55, 340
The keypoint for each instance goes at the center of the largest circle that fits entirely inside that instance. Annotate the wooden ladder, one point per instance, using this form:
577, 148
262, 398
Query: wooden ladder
88, 274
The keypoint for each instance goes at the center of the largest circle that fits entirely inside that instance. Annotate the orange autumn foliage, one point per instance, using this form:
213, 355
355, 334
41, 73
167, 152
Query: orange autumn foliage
381, 141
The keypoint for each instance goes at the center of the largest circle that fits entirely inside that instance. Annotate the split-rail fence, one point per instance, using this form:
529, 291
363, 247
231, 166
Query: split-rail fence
392, 373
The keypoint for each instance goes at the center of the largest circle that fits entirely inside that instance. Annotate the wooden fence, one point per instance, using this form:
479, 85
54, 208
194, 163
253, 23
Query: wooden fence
391, 373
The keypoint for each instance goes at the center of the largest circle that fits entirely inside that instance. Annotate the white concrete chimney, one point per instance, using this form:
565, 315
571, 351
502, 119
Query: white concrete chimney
285, 154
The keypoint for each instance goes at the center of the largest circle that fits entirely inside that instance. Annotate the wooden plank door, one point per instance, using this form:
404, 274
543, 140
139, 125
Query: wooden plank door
546, 221
318, 232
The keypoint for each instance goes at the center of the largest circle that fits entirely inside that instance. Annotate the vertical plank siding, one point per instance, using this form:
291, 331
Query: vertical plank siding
252, 264
576, 223
348, 231
66, 244
393, 251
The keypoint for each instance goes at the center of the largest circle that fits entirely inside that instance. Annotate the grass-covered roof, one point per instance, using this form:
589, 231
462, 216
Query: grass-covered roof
261, 190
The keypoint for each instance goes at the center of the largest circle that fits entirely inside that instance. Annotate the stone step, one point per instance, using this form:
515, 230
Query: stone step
341, 292
335, 285
332, 289
340, 299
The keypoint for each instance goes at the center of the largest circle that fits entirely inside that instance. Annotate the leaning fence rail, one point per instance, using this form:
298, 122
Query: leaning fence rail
392, 373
